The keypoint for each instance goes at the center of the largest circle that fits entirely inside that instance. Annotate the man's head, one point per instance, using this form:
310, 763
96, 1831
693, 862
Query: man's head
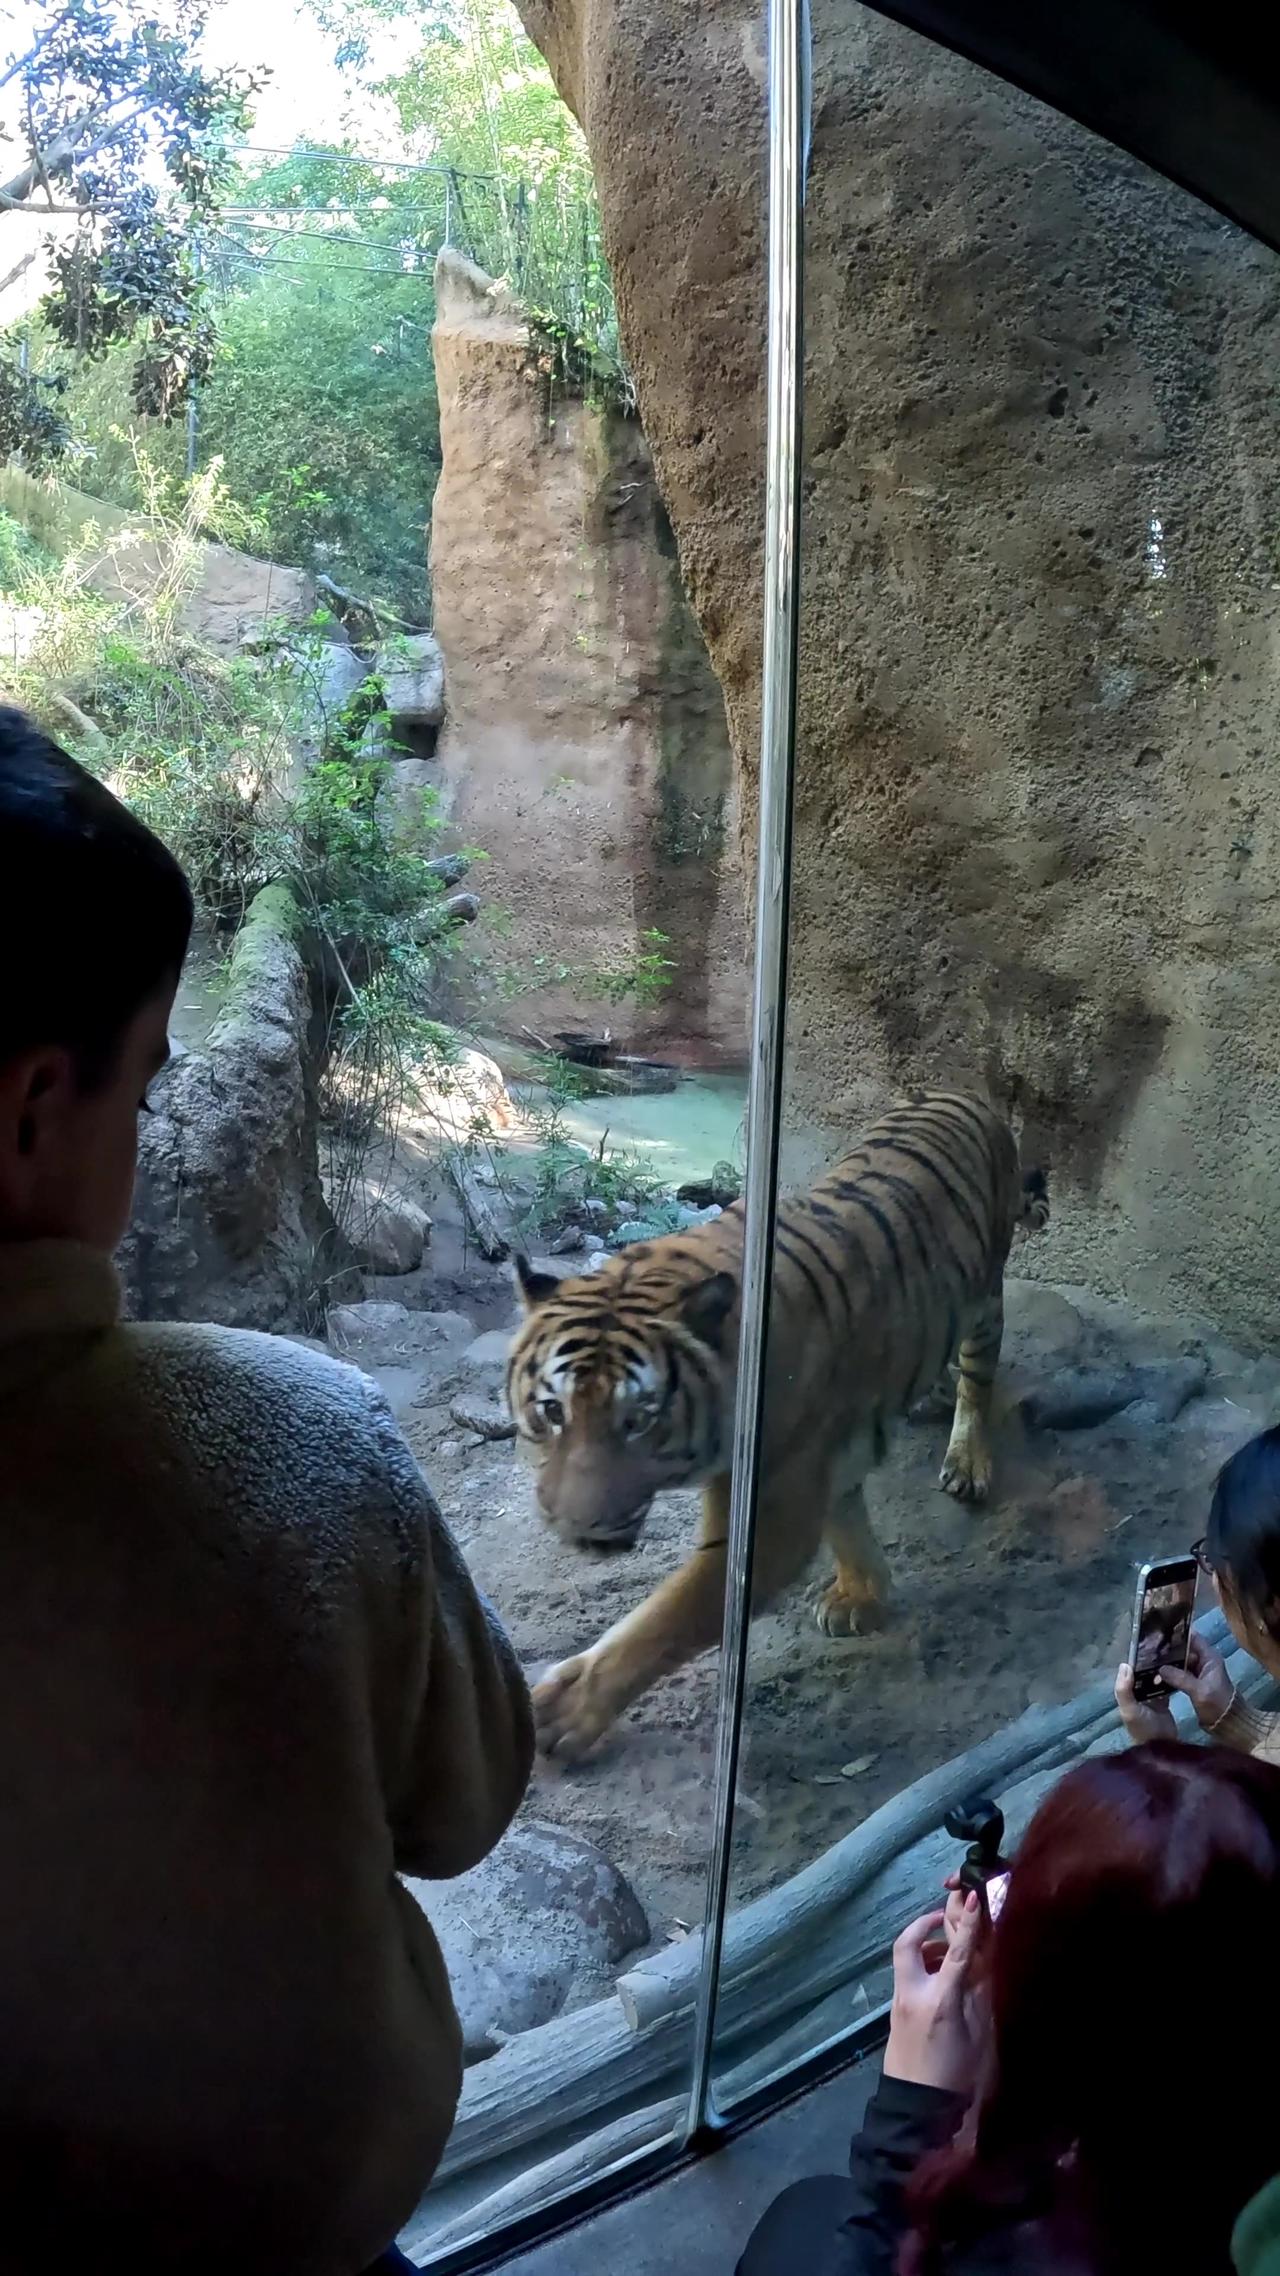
95, 916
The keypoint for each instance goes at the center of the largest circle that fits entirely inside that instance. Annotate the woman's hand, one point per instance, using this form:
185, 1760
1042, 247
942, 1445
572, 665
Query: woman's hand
1204, 1681
936, 2029
1143, 1719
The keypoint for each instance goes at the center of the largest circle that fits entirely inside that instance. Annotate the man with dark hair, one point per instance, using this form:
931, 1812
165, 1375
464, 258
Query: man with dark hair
245, 1679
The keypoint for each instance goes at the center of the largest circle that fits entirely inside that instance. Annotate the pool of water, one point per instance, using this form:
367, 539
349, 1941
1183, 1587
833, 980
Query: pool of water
679, 1134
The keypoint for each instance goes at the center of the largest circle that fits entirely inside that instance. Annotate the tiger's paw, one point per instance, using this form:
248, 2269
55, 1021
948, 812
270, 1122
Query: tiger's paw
966, 1472
568, 1714
842, 1611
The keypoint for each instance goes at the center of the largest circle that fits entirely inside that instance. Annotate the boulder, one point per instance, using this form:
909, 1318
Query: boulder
462, 1094
331, 674
543, 1923
229, 1219
388, 1231
412, 674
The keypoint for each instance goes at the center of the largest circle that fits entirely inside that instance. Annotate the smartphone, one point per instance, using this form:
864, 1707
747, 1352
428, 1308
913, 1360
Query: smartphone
1162, 1611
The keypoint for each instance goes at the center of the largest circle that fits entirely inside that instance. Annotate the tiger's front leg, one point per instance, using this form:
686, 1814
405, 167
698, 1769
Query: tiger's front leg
576, 1702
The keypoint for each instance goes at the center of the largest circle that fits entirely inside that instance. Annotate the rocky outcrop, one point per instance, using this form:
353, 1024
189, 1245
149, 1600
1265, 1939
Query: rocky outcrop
585, 747
226, 598
1034, 831
229, 1221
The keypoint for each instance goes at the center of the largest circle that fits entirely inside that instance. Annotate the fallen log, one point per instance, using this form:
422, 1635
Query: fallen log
553, 2178
476, 1210
1042, 1740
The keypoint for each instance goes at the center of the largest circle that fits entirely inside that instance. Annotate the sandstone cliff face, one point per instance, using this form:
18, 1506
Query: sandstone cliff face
585, 748
1034, 845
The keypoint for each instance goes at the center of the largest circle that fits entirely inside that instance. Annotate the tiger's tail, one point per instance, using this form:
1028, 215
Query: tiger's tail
1034, 1213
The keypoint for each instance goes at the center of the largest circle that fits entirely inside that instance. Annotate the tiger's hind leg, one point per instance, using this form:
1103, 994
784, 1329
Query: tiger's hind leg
857, 1599
966, 1468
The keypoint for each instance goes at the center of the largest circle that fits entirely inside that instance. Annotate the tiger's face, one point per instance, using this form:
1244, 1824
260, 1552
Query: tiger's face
618, 1385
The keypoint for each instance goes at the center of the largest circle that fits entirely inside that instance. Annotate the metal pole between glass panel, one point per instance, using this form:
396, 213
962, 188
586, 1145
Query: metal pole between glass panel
788, 138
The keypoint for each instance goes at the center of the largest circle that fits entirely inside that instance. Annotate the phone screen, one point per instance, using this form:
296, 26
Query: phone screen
1162, 1630
997, 1891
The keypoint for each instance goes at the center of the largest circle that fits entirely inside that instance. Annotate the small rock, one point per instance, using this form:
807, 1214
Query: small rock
860, 1763
488, 1421
569, 1242
593, 1243
594, 1207
488, 1350
635, 1229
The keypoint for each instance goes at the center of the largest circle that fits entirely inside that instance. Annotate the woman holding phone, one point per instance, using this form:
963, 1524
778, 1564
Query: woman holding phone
1023, 2122
1240, 1553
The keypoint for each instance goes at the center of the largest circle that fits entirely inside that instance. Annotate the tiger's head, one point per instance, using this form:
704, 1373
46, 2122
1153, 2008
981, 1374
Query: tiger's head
620, 1384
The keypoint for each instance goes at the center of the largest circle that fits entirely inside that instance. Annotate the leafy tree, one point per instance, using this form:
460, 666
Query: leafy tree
322, 401
123, 130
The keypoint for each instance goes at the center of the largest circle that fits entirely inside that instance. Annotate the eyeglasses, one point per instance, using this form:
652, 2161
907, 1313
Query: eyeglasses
1201, 1555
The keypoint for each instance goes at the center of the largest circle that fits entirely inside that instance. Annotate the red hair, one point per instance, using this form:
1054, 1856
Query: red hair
1141, 1917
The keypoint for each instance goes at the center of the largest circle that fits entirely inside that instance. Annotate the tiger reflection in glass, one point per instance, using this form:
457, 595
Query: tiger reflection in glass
622, 1383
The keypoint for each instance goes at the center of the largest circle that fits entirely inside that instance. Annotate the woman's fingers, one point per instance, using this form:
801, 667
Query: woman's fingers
1178, 1679
964, 1942
908, 1952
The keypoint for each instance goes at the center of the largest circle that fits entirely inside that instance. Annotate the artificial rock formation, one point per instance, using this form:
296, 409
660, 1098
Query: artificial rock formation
1034, 829
585, 746
229, 1220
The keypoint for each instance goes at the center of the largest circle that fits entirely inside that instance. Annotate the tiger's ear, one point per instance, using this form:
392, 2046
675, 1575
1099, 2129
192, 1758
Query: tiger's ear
705, 1309
534, 1287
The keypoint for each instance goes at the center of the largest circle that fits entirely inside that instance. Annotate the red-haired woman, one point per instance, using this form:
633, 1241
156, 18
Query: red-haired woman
1034, 2114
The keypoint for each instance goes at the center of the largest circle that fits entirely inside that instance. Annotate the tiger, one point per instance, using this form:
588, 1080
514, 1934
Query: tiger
621, 1384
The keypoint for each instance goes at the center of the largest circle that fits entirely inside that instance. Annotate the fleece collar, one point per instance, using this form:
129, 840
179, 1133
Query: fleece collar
53, 1288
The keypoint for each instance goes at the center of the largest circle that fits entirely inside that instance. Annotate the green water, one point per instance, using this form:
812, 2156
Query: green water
678, 1134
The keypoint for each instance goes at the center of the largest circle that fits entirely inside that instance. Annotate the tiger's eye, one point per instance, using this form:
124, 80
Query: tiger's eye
553, 1412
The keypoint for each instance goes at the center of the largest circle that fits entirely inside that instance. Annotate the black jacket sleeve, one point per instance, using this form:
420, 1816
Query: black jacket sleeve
902, 2123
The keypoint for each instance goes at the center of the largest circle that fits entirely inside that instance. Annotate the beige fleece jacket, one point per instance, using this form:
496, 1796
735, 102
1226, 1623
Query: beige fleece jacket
244, 1680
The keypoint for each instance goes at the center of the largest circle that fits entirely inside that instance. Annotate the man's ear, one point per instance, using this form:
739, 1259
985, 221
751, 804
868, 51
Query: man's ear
705, 1309
534, 1287
34, 1086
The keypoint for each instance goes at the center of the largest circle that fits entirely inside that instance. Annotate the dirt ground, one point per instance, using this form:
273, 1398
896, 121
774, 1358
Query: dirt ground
1027, 1600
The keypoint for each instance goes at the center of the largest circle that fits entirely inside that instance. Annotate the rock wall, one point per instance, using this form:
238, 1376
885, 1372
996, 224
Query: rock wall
1041, 621
229, 1221
585, 748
